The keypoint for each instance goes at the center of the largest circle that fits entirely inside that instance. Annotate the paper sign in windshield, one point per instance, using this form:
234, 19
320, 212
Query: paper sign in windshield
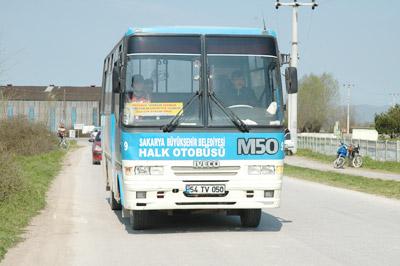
155, 109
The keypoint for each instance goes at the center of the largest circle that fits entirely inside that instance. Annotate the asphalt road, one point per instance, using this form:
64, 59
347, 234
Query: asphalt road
316, 225
317, 165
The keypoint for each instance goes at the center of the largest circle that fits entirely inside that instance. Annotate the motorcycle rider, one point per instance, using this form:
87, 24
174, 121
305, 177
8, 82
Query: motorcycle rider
342, 150
350, 152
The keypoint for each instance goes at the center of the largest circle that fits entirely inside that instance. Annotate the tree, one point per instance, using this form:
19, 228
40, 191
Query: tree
317, 102
389, 122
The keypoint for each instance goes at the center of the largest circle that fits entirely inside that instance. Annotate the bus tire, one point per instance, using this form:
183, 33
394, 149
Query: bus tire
250, 217
105, 173
114, 204
140, 220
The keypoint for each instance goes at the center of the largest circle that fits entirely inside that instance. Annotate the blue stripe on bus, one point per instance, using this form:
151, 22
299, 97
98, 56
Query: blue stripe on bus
202, 146
112, 149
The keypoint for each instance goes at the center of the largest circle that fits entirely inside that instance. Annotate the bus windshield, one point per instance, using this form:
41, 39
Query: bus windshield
157, 87
247, 85
163, 74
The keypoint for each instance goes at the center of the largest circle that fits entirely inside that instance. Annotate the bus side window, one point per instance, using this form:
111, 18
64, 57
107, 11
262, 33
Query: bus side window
115, 96
103, 93
107, 89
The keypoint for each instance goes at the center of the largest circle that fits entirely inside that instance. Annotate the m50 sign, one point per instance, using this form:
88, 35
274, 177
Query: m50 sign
257, 146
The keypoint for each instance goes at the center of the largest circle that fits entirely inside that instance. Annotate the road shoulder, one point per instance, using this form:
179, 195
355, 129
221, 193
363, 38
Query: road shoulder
52, 228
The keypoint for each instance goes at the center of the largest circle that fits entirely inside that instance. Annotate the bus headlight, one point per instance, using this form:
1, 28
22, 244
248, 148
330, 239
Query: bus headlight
261, 169
149, 170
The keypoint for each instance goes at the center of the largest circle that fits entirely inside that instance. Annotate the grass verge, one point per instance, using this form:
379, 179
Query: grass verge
368, 163
37, 172
387, 188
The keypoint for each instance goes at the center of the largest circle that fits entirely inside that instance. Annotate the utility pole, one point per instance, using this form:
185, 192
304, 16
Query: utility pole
292, 98
348, 85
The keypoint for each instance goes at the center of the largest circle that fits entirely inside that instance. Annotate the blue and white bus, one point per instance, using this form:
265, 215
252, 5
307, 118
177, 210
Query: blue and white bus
192, 119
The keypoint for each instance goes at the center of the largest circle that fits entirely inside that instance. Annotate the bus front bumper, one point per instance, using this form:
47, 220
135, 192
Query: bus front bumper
169, 195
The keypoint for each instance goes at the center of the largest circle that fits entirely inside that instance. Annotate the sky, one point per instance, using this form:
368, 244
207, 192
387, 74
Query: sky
64, 42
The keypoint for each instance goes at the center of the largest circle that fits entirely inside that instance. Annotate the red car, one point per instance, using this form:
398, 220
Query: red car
96, 149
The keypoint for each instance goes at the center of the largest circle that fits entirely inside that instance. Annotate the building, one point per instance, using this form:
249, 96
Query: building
52, 104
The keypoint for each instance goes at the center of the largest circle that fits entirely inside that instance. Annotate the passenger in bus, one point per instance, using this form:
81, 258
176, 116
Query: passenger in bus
138, 92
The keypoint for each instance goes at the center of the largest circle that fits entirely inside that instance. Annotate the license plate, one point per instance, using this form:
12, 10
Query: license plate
204, 189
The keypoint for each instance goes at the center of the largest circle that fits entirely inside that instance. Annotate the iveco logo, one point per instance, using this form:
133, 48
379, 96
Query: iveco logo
205, 164
257, 146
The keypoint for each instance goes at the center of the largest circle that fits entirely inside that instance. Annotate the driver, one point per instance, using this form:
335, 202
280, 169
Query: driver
238, 93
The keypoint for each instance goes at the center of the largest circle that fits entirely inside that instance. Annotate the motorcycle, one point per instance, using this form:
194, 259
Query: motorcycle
351, 152
354, 156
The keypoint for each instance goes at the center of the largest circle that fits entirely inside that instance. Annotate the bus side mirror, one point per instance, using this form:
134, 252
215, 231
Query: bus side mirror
116, 85
291, 80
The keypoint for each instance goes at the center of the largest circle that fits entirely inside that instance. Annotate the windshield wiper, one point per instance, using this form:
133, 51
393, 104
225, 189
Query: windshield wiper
229, 113
175, 121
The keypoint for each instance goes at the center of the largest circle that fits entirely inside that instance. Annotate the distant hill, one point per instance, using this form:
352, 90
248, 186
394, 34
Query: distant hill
365, 113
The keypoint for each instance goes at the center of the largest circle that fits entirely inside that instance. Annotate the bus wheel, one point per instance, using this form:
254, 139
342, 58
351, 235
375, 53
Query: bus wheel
140, 220
115, 205
250, 217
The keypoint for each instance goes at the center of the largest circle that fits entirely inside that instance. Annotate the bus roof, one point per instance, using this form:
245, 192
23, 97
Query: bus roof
201, 30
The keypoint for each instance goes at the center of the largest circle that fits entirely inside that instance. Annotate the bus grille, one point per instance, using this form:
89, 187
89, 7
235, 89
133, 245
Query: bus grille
192, 171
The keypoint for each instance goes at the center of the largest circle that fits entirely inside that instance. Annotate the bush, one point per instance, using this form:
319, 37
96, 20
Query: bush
10, 176
389, 122
19, 136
